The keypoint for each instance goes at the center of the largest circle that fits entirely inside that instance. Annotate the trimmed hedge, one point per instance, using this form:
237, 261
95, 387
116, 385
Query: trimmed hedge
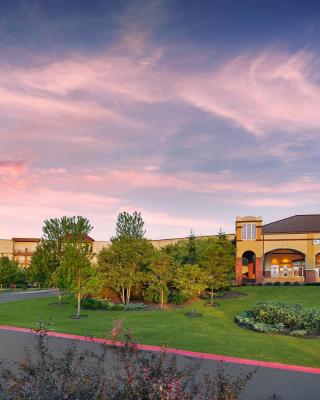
283, 318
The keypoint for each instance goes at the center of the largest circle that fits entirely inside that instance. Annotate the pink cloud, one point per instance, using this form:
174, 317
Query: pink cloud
12, 168
263, 92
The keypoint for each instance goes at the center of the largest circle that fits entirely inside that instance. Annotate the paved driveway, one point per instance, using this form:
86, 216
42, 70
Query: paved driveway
26, 294
288, 385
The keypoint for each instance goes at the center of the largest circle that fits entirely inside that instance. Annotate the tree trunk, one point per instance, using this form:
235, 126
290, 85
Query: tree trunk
79, 298
211, 297
122, 295
59, 297
161, 301
128, 294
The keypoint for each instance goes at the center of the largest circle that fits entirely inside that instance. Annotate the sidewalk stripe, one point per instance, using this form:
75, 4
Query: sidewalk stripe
186, 353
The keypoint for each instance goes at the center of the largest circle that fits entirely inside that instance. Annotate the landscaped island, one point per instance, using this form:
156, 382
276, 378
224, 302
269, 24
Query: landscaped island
282, 318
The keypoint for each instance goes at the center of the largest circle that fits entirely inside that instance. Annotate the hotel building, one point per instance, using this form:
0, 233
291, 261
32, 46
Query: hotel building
284, 250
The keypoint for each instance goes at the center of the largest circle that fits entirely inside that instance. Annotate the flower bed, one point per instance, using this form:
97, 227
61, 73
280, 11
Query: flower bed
283, 318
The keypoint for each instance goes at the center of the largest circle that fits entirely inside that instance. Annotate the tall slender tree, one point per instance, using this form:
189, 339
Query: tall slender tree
130, 225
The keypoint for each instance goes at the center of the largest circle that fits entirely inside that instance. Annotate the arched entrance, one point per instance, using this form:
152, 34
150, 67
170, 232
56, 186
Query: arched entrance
317, 265
249, 266
284, 265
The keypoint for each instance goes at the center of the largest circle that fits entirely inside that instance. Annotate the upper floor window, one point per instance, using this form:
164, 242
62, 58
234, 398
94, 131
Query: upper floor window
249, 232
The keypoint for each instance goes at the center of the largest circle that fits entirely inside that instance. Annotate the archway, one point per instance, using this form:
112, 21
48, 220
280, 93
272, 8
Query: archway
284, 265
249, 266
317, 265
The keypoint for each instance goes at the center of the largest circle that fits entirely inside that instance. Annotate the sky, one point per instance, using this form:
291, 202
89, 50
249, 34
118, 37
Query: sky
191, 112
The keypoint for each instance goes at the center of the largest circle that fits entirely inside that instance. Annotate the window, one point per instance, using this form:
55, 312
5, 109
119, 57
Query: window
249, 231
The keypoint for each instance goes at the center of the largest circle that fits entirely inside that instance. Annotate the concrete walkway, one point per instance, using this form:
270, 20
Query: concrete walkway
7, 297
285, 381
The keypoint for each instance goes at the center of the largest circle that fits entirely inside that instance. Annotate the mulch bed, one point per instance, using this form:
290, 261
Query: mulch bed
80, 316
193, 314
231, 295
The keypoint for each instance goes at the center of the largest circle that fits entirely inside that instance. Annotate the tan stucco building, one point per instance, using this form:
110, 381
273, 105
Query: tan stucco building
22, 249
284, 250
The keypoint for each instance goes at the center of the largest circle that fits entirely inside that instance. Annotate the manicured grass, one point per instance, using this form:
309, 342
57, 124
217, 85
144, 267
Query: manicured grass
215, 332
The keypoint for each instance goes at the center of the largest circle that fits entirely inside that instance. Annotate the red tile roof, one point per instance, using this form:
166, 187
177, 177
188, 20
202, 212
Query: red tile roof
295, 224
15, 239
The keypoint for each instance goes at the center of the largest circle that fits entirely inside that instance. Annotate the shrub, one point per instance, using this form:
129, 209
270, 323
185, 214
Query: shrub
269, 284
270, 316
296, 284
117, 307
298, 333
177, 298
287, 283
277, 283
90, 303
134, 307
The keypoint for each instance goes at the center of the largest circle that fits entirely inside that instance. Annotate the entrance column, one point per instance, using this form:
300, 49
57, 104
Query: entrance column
259, 269
239, 271
310, 275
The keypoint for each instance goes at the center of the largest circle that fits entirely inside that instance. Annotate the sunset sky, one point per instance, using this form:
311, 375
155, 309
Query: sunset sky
192, 112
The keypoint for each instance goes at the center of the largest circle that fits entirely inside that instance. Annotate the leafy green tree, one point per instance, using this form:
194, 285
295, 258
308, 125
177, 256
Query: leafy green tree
217, 258
130, 225
124, 264
43, 264
190, 280
57, 233
160, 274
191, 256
9, 271
77, 272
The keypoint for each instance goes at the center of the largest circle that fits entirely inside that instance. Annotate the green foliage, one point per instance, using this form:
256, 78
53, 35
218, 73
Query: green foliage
134, 307
177, 297
158, 276
43, 264
130, 225
292, 319
123, 265
190, 280
91, 303
10, 272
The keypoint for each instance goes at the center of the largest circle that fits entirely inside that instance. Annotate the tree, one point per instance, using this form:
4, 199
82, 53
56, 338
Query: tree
9, 271
77, 272
191, 256
124, 263
43, 264
57, 233
217, 257
190, 280
130, 225
160, 274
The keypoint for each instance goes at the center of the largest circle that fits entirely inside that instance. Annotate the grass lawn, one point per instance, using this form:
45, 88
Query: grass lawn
214, 332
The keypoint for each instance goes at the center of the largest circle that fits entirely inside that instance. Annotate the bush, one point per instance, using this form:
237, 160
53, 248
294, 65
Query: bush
298, 333
270, 316
177, 298
134, 307
287, 283
90, 303
277, 283
151, 295
269, 284
296, 284
117, 307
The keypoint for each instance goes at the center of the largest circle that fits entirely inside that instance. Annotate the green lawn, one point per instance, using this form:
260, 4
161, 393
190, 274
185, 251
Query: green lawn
215, 332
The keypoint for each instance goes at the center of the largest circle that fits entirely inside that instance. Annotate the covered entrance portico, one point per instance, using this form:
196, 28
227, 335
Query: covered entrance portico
284, 265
